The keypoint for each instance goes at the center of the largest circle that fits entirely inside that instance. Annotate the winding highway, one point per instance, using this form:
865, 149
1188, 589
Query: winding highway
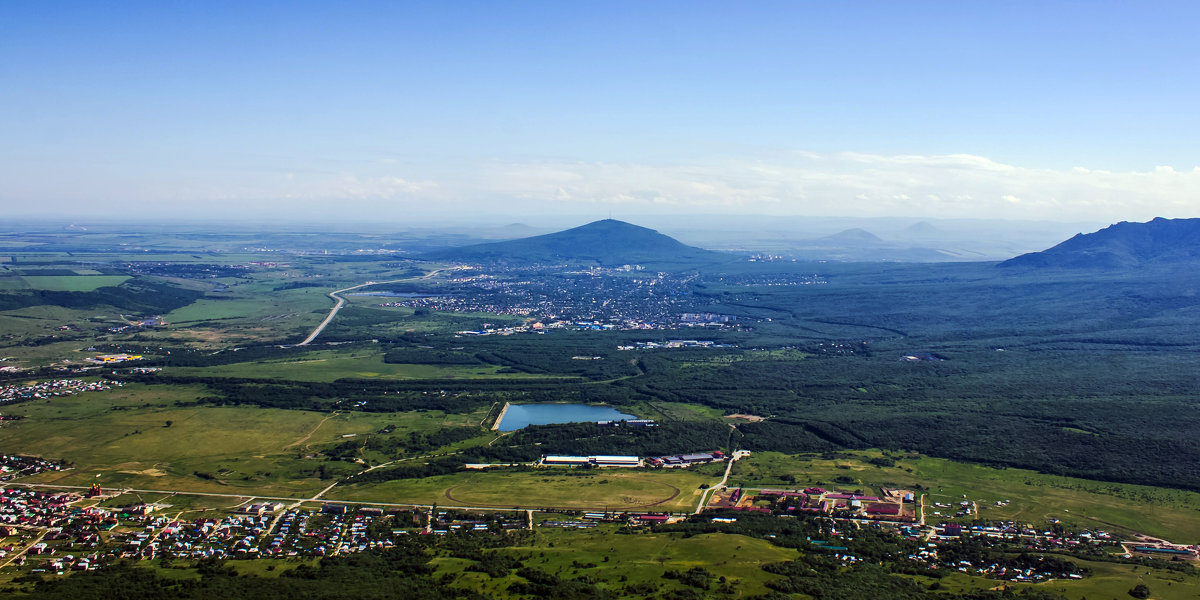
339, 302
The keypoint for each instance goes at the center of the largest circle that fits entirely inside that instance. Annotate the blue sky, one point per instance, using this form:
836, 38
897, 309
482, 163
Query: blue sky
397, 110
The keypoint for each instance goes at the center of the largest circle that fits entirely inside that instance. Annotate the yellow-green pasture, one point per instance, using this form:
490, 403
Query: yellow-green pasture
670, 490
73, 283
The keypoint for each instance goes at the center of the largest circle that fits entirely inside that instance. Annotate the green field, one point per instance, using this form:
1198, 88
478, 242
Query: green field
122, 435
73, 283
330, 365
553, 487
1033, 497
624, 560
1105, 580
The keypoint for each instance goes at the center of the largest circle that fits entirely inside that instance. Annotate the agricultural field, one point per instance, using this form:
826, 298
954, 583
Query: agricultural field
73, 283
552, 487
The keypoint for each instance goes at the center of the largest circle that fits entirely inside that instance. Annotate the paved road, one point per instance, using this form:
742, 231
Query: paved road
339, 302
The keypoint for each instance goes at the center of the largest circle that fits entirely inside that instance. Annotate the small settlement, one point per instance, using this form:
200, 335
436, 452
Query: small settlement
56, 532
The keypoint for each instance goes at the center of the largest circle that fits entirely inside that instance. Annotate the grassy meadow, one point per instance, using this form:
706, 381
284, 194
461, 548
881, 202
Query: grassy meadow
617, 489
73, 283
124, 436
615, 561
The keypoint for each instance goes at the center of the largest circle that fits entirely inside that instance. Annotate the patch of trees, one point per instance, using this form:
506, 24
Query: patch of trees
869, 543
697, 577
296, 285
540, 584
411, 470
143, 295
401, 573
382, 395
426, 356
824, 578
395, 446
561, 361
360, 395
188, 270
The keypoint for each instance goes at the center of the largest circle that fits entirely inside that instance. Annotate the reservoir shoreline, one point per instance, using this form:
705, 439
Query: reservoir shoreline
519, 416
500, 417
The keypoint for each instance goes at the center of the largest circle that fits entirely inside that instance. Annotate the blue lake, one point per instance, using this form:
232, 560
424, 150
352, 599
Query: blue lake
521, 415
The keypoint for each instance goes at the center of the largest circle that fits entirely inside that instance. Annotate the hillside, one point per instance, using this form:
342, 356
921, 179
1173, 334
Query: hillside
608, 243
1123, 245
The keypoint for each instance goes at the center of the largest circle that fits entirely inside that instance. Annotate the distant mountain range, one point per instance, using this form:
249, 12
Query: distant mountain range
614, 243
1124, 245
854, 236
923, 229
607, 243
859, 245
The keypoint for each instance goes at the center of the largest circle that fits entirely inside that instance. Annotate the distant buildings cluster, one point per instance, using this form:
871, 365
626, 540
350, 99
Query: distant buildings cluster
52, 388
678, 460
13, 465
893, 505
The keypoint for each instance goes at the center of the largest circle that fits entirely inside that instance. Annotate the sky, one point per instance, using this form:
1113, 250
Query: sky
410, 111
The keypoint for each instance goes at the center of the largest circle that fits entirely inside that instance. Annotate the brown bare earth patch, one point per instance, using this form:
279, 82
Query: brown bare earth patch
132, 468
151, 472
745, 418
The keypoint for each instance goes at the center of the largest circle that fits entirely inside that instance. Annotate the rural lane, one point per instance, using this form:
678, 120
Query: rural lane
737, 454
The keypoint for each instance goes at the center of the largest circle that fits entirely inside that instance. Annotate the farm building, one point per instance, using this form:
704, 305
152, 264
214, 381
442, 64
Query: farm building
616, 461
883, 509
653, 519
683, 460
565, 460
599, 461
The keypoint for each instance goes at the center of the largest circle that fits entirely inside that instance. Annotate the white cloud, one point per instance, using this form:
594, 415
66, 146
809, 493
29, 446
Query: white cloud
794, 183
859, 184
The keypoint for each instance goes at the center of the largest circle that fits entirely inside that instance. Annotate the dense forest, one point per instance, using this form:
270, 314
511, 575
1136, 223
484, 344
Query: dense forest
146, 295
